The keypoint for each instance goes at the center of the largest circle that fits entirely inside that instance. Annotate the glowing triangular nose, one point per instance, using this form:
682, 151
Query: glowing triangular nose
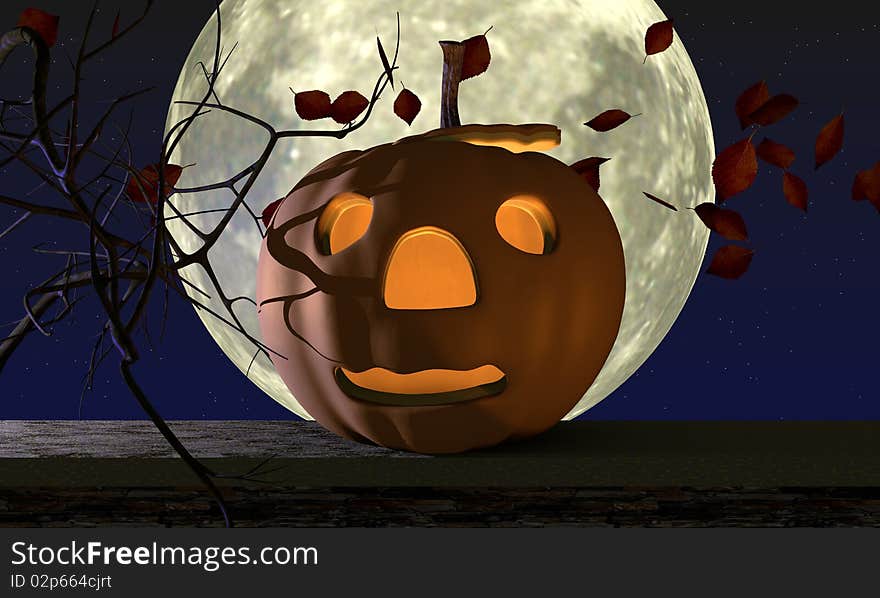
429, 269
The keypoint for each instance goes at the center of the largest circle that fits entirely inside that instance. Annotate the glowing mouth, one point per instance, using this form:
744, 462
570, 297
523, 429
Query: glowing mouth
422, 388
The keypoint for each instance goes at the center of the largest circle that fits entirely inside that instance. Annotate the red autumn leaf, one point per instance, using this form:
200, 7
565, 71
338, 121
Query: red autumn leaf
589, 170
476, 57
730, 261
172, 174
658, 37
45, 24
148, 178
727, 223
270, 210
774, 153
774, 109
749, 101
348, 106
735, 169
663, 203
115, 31
829, 141
312, 105
407, 106
867, 185
610, 119
859, 183
795, 190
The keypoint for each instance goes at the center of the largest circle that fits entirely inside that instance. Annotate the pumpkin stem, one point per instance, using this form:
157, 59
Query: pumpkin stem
453, 59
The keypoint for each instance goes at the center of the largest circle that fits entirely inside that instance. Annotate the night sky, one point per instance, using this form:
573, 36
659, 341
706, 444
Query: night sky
795, 338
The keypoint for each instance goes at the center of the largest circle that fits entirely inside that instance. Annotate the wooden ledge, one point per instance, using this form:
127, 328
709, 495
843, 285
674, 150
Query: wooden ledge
573, 454
661, 474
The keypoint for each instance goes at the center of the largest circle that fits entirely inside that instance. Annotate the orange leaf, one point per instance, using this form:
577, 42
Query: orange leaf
312, 105
43, 23
149, 180
476, 57
749, 101
829, 141
663, 203
735, 169
589, 170
115, 30
867, 185
348, 106
658, 37
795, 190
407, 106
730, 261
774, 109
727, 223
270, 210
774, 153
610, 119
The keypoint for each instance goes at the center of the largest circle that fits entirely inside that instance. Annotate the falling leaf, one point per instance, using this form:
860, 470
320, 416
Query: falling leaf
385, 64
795, 190
476, 56
589, 170
663, 203
348, 106
859, 183
774, 153
730, 261
774, 109
658, 37
148, 178
43, 23
407, 106
115, 31
610, 119
312, 105
270, 210
727, 223
749, 101
735, 169
829, 141
867, 185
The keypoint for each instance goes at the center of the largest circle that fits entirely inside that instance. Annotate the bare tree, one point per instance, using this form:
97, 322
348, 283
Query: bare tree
92, 182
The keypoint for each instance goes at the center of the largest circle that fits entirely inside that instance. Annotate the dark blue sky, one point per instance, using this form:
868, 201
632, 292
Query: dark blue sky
795, 338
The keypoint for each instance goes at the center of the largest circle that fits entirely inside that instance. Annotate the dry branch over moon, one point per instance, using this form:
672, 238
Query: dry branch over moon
582, 59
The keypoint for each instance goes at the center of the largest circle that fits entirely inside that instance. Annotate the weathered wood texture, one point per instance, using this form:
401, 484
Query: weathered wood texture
446, 507
88, 473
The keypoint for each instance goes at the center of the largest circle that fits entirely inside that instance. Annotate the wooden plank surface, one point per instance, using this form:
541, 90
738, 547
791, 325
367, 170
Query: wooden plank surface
668, 474
758, 454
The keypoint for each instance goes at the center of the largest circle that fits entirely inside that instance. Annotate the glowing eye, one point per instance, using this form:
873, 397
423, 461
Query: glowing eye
344, 221
527, 224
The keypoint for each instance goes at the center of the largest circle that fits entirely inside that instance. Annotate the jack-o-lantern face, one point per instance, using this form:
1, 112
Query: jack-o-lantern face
437, 295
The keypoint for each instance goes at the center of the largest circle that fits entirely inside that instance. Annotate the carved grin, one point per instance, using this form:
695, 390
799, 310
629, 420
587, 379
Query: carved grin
422, 388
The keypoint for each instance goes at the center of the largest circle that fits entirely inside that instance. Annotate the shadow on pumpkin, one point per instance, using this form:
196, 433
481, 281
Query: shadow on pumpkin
543, 321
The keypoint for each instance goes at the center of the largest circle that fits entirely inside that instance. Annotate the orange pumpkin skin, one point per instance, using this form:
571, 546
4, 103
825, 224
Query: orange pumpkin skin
547, 321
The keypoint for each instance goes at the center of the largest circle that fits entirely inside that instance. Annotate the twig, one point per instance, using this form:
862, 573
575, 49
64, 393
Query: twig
15, 224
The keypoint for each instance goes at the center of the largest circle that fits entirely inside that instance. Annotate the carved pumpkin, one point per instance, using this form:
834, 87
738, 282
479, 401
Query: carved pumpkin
442, 293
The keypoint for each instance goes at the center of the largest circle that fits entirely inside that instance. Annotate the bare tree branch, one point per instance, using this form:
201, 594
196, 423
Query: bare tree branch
49, 294
21, 36
150, 257
16, 224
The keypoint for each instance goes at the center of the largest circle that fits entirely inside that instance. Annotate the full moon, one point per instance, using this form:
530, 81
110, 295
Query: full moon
553, 61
